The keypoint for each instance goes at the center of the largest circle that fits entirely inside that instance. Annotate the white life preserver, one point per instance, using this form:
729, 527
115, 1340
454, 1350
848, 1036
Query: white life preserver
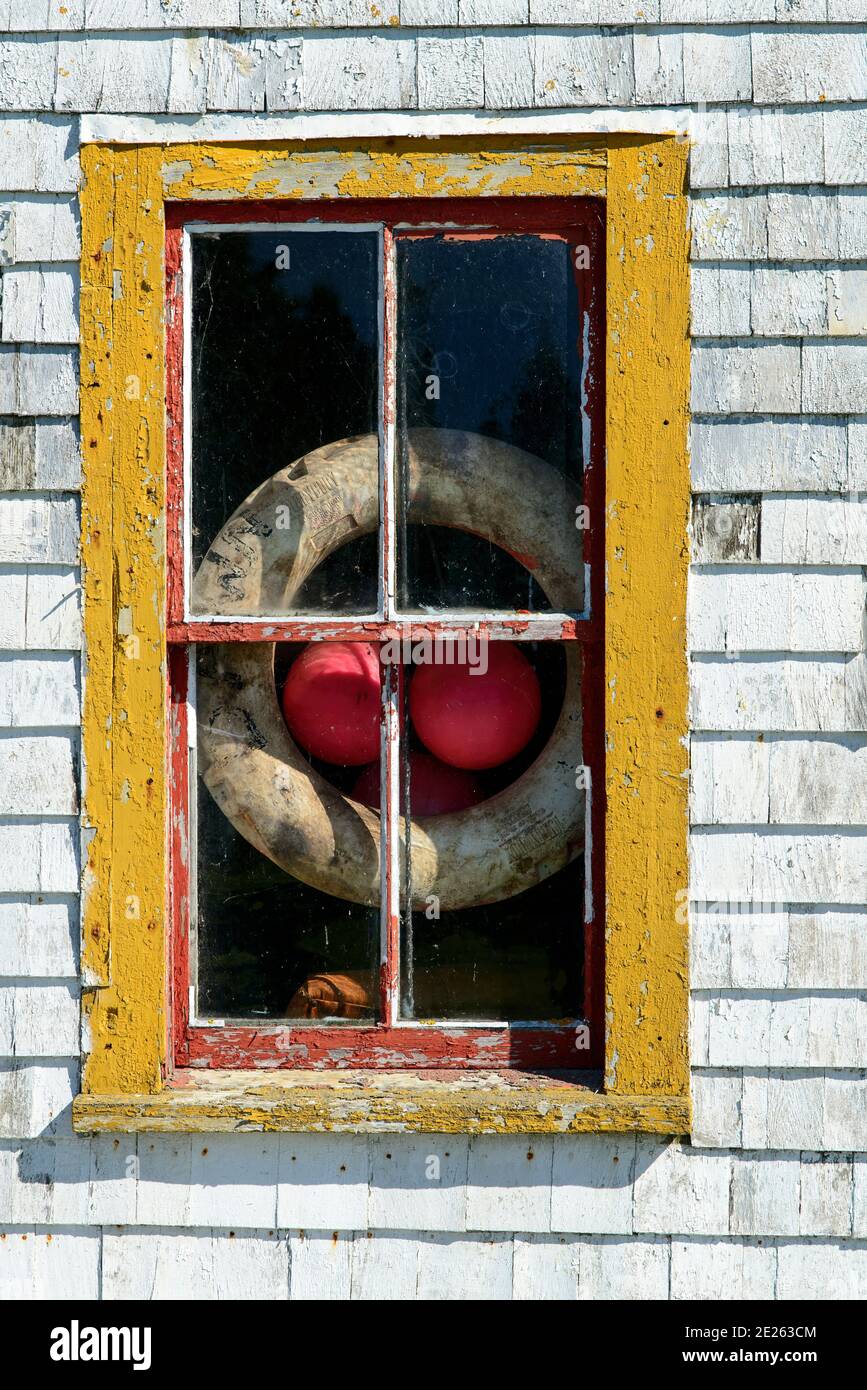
251, 766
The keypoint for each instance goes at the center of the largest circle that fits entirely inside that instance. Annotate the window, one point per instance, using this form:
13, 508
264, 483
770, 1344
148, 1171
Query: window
384, 475
203, 594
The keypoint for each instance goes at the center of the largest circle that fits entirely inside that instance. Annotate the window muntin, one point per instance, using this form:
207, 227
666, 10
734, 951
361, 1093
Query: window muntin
465, 966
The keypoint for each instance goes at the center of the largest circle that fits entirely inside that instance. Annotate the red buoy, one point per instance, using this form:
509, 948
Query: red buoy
475, 720
331, 701
435, 789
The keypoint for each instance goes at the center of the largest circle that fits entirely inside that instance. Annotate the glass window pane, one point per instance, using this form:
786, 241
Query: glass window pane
490, 438
284, 360
287, 857
495, 870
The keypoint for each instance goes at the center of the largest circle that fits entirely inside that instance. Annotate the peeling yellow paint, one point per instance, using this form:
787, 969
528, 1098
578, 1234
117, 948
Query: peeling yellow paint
397, 168
123, 526
124, 912
647, 559
377, 1102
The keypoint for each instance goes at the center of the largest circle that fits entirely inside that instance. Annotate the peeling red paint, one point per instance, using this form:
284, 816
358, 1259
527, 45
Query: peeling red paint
388, 1045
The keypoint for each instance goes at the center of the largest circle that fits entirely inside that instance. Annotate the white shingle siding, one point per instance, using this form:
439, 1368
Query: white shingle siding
734, 947
508, 71
658, 60
593, 69
779, 781
38, 529
769, 455
50, 1265
746, 377
506, 1177
781, 693
752, 609
779, 865
38, 380
767, 1201
39, 156
359, 73
809, 66
719, 1270
39, 938
834, 376
39, 773
778, 300
791, 301
39, 608
716, 65
41, 454
450, 72
814, 530
38, 1020
38, 855
39, 690
773, 145
147, 1264
781, 1031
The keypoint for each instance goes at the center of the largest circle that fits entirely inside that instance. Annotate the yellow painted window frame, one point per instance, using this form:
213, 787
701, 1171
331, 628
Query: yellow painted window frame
126, 1074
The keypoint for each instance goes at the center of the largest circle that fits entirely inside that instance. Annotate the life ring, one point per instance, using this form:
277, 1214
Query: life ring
259, 778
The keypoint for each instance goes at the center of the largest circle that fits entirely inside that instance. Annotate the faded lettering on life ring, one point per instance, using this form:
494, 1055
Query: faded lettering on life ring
261, 780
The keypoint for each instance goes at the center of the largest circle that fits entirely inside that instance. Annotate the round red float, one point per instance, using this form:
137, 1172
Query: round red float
474, 720
331, 701
435, 789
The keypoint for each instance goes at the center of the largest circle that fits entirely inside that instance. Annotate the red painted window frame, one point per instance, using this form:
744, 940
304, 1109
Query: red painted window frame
319, 1045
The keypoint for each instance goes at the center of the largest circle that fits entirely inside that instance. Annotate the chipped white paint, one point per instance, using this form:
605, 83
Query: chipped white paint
38, 529
780, 1031
39, 938
770, 455
746, 378
38, 228
39, 690
779, 865
450, 72
38, 773
770, 780
38, 380
750, 609
39, 608
809, 66
40, 305
38, 1020
734, 947
774, 146
780, 693
814, 530
834, 375
39, 858
720, 1270
697, 1182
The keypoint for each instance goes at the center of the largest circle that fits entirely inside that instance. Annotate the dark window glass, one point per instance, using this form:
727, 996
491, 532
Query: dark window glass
512, 955
286, 350
270, 945
489, 346
285, 359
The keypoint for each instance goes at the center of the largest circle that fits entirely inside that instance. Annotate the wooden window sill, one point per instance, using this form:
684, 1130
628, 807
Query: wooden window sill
360, 1102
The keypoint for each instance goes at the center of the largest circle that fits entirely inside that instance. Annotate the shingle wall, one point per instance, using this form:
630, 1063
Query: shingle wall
770, 1198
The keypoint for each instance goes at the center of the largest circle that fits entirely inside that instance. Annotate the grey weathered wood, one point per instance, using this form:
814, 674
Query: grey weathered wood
17, 454
725, 529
